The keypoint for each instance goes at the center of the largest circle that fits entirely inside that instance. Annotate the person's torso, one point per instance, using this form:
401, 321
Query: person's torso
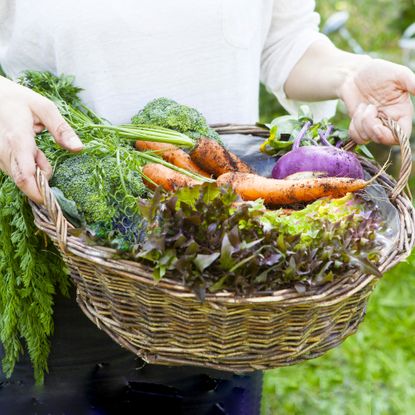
205, 53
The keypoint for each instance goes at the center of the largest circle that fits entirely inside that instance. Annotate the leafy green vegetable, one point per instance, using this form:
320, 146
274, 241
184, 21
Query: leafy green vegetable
106, 198
62, 91
284, 129
164, 112
202, 238
31, 271
68, 207
78, 179
96, 185
105, 180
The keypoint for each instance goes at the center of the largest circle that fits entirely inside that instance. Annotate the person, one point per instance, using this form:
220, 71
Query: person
210, 55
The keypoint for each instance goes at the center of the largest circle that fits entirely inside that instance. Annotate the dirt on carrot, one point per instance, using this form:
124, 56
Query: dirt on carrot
286, 192
213, 158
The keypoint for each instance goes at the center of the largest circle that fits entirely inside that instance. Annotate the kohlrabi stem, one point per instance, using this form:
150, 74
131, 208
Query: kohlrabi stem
311, 140
324, 136
340, 144
301, 134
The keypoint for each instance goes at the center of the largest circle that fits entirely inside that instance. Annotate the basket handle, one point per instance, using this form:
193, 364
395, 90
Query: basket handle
406, 156
53, 209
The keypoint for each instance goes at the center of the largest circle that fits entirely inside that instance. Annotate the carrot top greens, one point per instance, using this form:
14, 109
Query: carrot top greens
31, 270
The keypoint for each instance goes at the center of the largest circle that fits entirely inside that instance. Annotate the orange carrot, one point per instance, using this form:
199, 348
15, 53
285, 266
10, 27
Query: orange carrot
152, 146
172, 154
159, 175
213, 158
286, 192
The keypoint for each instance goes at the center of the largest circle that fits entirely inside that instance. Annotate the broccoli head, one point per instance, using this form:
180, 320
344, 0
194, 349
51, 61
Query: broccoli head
164, 112
96, 186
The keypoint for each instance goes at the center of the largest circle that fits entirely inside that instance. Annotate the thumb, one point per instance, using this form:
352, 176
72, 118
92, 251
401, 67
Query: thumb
43, 163
408, 80
49, 115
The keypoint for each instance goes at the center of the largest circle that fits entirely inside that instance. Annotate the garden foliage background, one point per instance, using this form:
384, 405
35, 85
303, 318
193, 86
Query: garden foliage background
372, 372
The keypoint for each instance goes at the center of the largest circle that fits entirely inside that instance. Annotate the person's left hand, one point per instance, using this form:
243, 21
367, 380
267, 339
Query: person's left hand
378, 88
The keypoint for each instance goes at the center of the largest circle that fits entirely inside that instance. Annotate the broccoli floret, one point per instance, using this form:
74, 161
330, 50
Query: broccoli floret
164, 112
77, 178
96, 187
167, 113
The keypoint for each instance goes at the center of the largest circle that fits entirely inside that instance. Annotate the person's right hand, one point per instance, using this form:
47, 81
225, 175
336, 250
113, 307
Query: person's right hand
24, 113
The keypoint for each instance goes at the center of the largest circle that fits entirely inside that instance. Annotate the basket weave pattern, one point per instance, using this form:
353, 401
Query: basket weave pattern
167, 324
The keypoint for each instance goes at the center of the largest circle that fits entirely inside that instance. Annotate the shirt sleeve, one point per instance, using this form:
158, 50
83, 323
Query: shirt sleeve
6, 14
294, 27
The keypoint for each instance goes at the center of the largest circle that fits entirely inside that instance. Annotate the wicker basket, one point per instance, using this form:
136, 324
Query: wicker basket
167, 324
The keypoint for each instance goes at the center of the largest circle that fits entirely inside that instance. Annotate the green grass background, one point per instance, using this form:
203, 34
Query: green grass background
372, 372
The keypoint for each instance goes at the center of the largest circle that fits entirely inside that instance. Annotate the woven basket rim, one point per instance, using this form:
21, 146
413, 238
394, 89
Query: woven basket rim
340, 288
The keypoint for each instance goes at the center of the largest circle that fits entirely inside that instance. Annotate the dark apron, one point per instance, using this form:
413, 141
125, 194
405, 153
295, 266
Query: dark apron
90, 374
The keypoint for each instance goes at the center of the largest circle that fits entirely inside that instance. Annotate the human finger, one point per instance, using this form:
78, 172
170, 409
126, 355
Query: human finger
354, 135
407, 78
23, 169
403, 118
374, 128
49, 115
384, 135
38, 128
43, 163
356, 130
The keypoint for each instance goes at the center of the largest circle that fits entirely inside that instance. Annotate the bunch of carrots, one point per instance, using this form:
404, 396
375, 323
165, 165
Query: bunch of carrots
210, 159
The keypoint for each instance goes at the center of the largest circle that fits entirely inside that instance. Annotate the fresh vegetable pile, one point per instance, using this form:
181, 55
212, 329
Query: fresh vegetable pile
31, 269
165, 191
210, 241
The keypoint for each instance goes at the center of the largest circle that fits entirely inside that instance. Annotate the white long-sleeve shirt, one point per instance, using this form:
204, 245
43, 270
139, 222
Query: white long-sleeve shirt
209, 54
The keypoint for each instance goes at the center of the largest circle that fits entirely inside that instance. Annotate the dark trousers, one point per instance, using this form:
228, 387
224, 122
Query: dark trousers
92, 375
